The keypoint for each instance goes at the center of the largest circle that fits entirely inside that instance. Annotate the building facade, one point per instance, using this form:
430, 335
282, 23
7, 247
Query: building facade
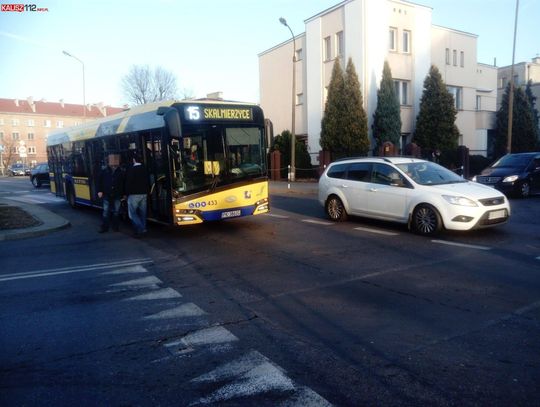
370, 32
25, 125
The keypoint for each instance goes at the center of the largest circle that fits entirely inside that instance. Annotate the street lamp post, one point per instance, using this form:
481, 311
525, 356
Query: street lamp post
511, 95
293, 135
83, 82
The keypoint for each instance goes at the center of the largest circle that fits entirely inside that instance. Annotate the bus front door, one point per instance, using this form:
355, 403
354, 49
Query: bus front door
155, 159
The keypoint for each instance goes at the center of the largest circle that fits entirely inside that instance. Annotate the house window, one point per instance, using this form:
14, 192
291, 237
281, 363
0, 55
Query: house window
406, 41
31, 123
339, 44
14, 122
392, 39
454, 57
478, 102
1, 135
15, 135
456, 92
31, 150
60, 124
300, 99
462, 59
47, 123
1, 122
30, 136
402, 91
327, 49
447, 56
299, 55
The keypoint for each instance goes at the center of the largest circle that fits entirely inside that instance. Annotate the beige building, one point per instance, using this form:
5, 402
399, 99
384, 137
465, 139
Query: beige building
523, 72
371, 32
25, 125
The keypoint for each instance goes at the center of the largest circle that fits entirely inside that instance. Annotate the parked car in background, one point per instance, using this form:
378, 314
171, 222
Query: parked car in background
420, 193
513, 174
18, 169
40, 175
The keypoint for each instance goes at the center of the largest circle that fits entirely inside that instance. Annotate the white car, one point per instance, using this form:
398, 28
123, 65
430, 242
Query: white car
420, 193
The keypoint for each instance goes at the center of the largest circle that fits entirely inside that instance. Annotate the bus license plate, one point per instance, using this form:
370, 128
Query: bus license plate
230, 214
497, 214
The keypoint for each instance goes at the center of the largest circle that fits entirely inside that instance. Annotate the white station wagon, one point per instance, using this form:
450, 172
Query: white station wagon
420, 193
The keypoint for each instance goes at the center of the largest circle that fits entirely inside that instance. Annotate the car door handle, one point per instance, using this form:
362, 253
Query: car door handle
344, 186
373, 189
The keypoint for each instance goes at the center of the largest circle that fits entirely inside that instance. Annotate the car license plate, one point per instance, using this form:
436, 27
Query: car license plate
497, 214
230, 214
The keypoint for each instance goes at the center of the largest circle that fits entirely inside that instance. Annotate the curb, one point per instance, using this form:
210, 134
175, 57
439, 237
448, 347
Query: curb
50, 222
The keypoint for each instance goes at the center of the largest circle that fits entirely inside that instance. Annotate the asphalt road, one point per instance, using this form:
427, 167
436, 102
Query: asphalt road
281, 309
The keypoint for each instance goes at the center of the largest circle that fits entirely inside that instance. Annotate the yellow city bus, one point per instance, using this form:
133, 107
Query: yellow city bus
206, 159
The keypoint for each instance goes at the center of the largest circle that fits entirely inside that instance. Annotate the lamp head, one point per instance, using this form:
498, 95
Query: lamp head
283, 21
66, 53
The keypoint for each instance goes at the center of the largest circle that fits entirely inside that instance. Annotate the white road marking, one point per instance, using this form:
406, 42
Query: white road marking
317, 222
127, 270
150, 281
184, 310
377, 231
306, 397
36, 199
75, 269
215, 336
162, 294
468, 246
277, 216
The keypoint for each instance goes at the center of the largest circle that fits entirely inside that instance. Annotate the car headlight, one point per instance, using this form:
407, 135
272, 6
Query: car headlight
511, 178
459, 200
473, 179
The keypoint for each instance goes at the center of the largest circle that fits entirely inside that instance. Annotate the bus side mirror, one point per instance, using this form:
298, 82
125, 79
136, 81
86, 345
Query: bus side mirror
172, 120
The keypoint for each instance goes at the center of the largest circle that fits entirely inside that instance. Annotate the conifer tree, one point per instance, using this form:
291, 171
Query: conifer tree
387, 116
332, 124
534, 111
435, 123
524, 133
355, 139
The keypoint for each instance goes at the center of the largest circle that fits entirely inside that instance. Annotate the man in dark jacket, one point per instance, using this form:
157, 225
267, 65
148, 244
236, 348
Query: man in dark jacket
111, 190
136, 191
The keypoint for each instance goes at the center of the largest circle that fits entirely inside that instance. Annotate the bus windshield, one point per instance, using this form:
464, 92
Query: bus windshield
208, 156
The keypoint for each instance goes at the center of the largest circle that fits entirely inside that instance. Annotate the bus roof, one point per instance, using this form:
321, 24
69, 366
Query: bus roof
137, 118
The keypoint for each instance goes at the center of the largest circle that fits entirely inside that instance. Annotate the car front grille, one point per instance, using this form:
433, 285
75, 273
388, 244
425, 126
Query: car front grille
488, 180
492, 201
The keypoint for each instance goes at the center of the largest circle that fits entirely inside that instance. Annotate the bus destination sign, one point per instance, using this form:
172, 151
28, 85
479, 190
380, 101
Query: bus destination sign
209, 113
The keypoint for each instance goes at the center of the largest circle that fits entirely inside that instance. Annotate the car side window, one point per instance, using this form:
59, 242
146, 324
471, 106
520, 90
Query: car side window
359, 172
387, 175
337, 171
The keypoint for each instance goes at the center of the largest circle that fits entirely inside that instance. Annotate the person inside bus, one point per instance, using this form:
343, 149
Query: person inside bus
136, 189
111, 191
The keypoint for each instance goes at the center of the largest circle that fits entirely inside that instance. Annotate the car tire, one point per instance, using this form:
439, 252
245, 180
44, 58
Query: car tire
335, 209
525, 189
426, 220
36, 182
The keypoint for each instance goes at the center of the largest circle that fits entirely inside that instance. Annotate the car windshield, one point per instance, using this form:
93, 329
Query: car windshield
512, 160
428, 173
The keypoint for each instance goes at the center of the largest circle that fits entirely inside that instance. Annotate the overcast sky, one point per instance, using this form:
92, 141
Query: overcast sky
210, 45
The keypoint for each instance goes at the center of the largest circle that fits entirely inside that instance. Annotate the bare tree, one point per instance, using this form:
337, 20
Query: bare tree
143, 85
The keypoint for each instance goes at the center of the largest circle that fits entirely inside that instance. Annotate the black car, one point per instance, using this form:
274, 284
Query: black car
18, 169
513, 174
40, 175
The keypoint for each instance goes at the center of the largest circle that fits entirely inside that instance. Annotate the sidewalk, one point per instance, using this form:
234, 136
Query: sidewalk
299, 187
49, 221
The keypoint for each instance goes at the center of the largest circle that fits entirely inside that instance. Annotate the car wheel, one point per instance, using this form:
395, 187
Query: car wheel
426, 220
525, 189
335, 209
35, 182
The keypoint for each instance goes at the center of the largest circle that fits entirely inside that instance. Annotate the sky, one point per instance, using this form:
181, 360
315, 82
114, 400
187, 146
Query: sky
209, 45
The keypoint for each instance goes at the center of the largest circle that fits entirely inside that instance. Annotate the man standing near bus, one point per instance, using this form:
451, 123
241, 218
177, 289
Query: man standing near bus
136, 190
111, 190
